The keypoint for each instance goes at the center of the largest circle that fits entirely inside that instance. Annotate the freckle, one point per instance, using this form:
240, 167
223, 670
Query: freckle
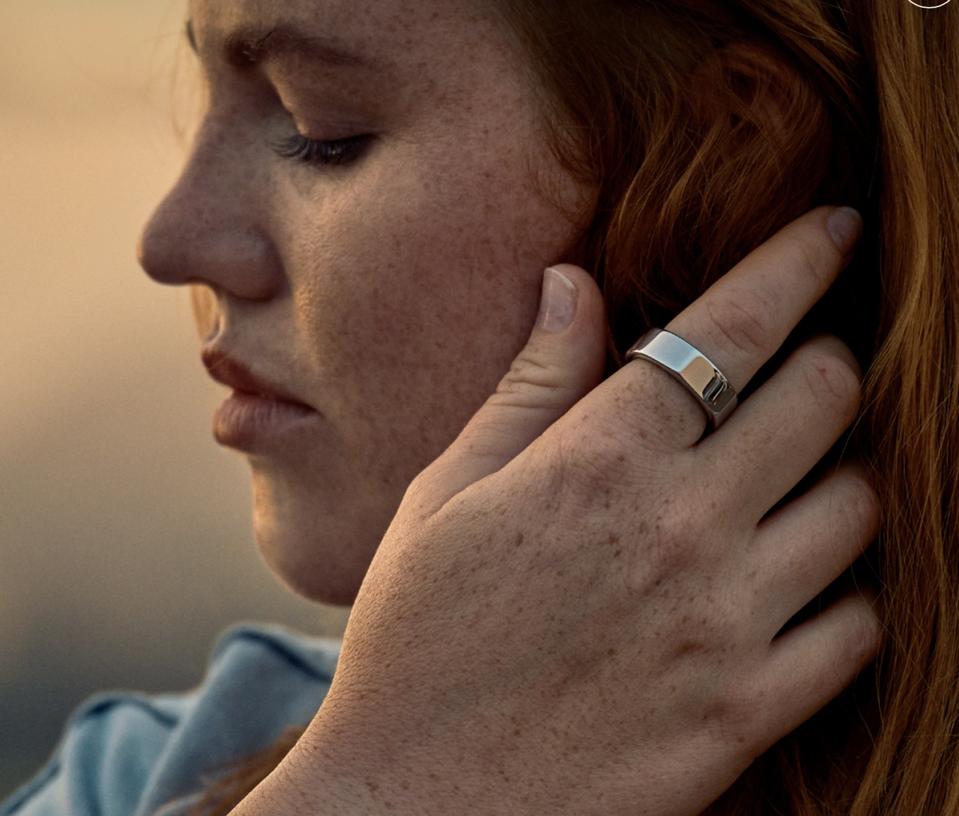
519, 539
617, 553
612, 652
613, 538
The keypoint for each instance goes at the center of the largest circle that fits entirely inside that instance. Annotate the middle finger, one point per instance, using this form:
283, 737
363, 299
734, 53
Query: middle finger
739, 322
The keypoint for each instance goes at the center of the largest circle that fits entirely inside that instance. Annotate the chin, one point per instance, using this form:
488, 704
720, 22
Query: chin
334, 587
320, 557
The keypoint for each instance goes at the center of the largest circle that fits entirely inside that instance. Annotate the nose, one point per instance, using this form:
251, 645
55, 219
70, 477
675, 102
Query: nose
207, 229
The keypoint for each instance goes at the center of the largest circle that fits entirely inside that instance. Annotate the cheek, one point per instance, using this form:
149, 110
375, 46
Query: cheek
419, 294
449, 246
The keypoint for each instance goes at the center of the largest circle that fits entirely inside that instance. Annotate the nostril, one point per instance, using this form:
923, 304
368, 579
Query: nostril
206, 312
211, 336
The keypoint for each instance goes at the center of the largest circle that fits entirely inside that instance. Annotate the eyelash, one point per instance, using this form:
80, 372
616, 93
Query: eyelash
323, 153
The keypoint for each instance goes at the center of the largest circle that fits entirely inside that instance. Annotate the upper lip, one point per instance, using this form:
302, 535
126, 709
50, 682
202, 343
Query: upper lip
224, 369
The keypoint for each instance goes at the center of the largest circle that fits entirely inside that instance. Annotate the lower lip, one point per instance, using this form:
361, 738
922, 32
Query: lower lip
244, 418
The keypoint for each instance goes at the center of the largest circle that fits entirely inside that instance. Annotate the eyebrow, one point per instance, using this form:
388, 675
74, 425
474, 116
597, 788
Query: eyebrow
248, 47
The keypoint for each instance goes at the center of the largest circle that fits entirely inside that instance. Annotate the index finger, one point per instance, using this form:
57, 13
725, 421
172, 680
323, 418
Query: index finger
744, 317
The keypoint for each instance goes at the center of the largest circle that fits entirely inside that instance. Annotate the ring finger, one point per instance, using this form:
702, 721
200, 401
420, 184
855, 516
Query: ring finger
785, 427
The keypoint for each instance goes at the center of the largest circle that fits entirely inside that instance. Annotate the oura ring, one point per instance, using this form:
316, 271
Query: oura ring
687, 364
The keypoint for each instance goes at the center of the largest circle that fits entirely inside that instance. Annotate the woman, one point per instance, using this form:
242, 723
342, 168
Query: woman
582, 594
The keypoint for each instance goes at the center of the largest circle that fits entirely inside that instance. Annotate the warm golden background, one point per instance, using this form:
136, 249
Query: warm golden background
124, 528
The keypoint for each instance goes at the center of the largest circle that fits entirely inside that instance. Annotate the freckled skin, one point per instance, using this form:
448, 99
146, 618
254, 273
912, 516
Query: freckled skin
391, 294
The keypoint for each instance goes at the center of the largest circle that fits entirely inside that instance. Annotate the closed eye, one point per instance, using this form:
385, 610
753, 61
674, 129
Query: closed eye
313, 151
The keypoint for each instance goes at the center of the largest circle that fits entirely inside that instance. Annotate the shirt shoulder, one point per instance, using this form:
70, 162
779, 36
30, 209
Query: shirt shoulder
125, 752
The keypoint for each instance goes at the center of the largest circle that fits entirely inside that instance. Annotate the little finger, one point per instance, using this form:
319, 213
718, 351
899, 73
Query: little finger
811, 664
804, 546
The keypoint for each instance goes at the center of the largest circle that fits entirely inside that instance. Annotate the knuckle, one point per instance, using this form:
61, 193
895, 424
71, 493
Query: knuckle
417, 500
865, 503
832, 379
420, 485
526, 383
735, 712
675, 543
587, 463
736, 319
864, 632
808, 257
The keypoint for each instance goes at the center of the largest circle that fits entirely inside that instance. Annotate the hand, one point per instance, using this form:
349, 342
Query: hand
575, 609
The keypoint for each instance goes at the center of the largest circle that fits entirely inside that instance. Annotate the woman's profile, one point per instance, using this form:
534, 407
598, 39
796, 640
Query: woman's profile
668, 528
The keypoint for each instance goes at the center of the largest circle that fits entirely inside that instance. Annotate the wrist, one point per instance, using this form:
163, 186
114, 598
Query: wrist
341, 767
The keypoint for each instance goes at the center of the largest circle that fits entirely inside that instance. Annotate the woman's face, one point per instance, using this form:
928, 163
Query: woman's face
389, 292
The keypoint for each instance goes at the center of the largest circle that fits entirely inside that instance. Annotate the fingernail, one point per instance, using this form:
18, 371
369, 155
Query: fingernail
558, 302
844, 225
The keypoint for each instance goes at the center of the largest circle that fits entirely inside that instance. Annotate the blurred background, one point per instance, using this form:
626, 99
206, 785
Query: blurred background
125, 530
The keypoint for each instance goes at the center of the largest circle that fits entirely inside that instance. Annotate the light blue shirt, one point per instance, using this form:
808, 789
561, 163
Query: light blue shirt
129, 754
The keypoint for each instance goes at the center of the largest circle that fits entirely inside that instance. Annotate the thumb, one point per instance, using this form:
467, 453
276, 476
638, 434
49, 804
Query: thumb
562, 361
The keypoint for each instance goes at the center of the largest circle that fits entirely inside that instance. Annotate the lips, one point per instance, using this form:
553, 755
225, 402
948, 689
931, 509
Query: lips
230, 372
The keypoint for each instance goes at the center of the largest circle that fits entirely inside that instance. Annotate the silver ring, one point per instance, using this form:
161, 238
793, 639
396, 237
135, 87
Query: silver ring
687, 364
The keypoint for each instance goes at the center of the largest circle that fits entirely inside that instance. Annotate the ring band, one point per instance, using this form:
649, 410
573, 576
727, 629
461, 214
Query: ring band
687, 364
